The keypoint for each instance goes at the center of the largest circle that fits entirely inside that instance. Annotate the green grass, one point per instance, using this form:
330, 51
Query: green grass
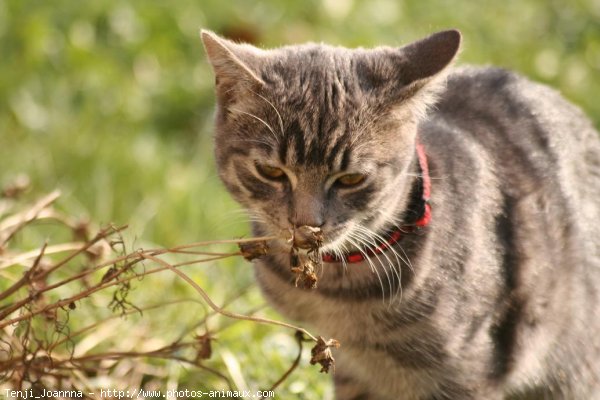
112, 103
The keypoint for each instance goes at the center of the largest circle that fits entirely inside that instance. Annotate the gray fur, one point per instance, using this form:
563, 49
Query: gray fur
499, 296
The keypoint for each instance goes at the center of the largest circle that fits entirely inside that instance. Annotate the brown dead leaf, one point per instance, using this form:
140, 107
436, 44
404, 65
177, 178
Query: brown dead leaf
322, 354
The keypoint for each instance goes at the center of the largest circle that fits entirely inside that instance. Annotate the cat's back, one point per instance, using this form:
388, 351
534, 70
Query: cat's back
486, 94
528, 129
540, 157
540, 147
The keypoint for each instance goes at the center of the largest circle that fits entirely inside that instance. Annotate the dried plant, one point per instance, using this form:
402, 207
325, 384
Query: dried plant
41, 345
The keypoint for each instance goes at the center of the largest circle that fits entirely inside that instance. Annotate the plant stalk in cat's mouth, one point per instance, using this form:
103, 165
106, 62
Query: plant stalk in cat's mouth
304, 264
307, 237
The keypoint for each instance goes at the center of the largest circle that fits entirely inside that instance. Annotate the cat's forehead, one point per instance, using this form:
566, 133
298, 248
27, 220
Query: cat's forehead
323, 88
314, 89
308, 57
309, 69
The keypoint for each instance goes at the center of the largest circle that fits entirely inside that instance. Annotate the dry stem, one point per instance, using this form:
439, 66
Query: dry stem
35, 350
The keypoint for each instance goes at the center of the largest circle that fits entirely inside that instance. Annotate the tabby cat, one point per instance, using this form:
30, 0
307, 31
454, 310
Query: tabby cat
458, 208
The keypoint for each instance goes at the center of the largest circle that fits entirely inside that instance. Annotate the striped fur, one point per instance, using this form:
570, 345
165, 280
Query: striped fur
499, 297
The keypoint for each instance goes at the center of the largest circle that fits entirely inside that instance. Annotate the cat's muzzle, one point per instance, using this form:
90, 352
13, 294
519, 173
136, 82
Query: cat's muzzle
306, 237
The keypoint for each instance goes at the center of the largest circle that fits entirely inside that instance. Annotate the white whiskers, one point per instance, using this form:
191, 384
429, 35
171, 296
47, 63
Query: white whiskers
258, 119
372, 241
373, 268
389, 262
274, 108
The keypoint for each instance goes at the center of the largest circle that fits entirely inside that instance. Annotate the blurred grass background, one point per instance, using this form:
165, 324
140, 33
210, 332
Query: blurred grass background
112, 102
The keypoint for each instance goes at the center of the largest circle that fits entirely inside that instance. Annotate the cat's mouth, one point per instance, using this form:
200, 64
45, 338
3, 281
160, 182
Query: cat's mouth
352, 244
321, 241
317, 239
332, 244
309, 238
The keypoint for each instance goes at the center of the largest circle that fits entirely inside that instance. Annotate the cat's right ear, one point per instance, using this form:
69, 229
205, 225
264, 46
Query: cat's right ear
428, 57
409, 75
234, 65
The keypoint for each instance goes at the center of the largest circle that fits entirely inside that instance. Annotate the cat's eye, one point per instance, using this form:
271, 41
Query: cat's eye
270, 172
349, 180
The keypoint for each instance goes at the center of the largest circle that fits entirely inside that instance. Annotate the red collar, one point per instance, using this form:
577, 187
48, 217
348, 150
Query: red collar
396, 234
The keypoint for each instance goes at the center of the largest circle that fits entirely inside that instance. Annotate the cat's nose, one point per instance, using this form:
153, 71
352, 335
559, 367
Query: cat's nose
307, 210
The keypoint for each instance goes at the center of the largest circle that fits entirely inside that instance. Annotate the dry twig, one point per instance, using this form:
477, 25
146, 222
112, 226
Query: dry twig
38, 338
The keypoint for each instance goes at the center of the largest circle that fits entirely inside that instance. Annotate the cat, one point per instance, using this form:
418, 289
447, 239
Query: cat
458, 208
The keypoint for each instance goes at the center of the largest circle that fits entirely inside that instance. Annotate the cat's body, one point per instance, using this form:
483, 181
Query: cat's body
499, 294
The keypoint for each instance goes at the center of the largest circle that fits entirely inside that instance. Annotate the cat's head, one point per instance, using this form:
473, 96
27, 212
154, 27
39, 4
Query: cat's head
323, 136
